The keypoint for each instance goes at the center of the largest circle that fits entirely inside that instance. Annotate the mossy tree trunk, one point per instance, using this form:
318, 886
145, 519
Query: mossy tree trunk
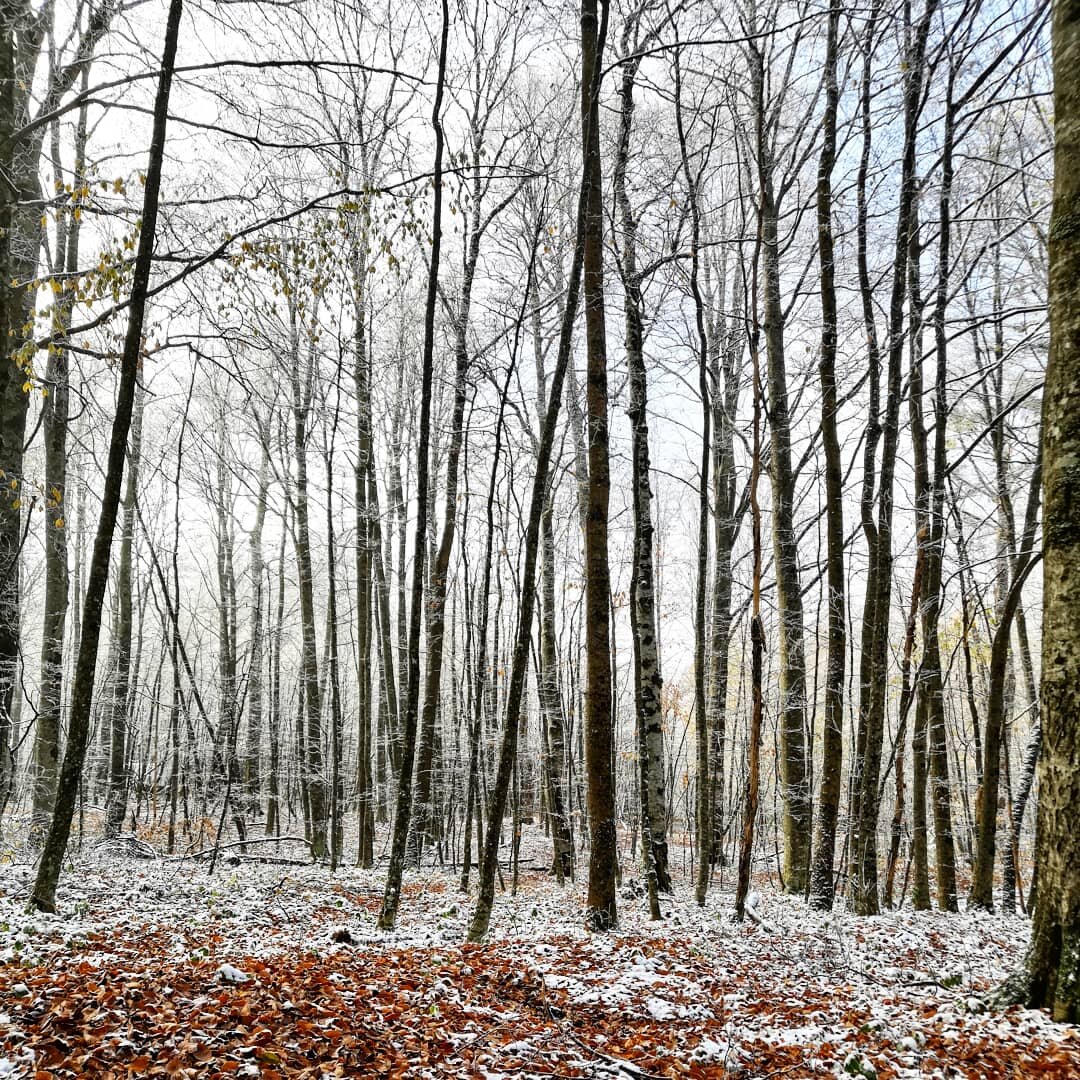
1053, 967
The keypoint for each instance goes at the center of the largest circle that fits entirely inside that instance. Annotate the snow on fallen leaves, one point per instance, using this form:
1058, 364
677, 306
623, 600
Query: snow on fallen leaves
169, 976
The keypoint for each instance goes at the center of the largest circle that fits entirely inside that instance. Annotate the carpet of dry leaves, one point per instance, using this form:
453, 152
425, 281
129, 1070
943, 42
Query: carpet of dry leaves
155, 968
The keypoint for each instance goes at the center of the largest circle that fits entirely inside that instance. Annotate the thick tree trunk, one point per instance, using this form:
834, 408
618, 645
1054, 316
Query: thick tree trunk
23, 31
1053, 966
821, 869
21, 35
598, 699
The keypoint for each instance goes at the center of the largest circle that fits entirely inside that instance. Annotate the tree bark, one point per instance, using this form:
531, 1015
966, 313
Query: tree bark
46, 758
310, 723
1053, 965
481, 919
119, 703
821, 869
43, 896
794, 770
600, 904
648, 684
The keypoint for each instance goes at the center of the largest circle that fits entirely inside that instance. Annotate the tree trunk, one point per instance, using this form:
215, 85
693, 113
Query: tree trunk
794, 772
875, 654
410, 716
310, 724
365, 555
46, 758
821, 870
982, 876
703, 772
648, 684
437, 584
119, 704
757, 629
1053, 965
598, 717
44, 891
932, 681
553, 721
481, 919
920, 863
250, 765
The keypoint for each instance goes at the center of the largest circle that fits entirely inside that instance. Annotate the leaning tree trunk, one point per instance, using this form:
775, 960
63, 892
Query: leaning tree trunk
44, 892
982, 874
440, 567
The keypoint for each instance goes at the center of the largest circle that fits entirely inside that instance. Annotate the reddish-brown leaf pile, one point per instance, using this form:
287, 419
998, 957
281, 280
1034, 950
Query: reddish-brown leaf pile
116, 1009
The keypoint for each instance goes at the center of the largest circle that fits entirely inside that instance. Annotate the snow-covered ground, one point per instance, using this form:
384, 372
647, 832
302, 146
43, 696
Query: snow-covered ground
155, 968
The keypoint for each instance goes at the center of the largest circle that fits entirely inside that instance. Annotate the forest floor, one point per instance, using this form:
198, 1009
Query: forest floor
155, 968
